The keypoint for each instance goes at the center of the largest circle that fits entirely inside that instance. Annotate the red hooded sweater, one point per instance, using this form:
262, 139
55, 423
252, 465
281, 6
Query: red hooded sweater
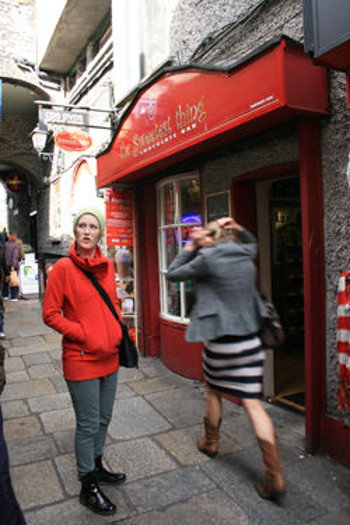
73, 307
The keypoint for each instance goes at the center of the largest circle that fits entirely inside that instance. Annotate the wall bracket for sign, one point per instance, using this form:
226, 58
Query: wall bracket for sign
58, 117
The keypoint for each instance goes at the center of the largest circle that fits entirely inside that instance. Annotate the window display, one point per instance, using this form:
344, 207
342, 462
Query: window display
119, 242
178, 212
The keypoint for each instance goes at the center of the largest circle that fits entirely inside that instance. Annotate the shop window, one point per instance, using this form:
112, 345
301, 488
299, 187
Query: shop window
178, 212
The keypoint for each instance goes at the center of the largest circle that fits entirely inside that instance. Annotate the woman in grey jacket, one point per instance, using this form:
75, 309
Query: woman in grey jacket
227, 317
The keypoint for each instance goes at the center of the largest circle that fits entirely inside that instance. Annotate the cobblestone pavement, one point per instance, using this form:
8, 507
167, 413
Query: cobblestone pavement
152, 437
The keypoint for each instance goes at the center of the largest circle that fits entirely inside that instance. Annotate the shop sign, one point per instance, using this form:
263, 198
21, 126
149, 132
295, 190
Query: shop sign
15, 183
56, 119
119, 217
73, 140
190, 110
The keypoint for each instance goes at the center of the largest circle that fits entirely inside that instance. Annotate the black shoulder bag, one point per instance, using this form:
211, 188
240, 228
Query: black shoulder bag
128, 355
272, 334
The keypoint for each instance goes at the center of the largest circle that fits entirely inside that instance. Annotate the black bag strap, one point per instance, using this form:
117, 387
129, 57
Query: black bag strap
100, 290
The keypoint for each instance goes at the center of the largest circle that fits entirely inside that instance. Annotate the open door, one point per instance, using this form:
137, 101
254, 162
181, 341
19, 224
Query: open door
270, 208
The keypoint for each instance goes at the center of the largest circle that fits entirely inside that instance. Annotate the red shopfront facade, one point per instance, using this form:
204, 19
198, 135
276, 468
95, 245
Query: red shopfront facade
186, 112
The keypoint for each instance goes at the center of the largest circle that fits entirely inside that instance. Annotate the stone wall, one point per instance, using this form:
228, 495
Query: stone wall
223, 31
17, 34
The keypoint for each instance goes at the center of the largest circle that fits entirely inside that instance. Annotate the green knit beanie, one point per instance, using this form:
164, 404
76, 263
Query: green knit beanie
91, 210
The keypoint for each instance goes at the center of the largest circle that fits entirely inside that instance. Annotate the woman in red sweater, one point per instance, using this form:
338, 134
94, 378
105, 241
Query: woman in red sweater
91, 336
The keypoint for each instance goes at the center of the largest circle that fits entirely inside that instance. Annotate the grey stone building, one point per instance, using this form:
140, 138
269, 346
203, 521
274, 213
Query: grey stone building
21, 86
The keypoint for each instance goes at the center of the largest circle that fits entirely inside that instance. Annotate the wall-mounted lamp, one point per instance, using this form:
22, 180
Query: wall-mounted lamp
39, 140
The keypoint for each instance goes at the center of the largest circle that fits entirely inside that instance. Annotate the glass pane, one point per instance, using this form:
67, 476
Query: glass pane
189, 297
185, 234
171, 238
169, 204
173, 298
189, 190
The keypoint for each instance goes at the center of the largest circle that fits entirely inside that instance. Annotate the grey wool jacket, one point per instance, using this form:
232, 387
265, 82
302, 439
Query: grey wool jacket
227, 301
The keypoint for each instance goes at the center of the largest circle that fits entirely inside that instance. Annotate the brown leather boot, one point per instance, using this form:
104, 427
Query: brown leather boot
273, 487
209, 444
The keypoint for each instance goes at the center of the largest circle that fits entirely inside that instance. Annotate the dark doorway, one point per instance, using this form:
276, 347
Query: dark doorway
288, 289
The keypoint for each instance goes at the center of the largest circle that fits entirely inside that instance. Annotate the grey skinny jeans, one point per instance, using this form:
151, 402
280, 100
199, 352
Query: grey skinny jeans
93, 404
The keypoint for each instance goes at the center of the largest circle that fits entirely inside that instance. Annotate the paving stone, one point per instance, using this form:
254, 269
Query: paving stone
211, 508
166, 489
59, 384
138, 458
126, 375
37, 359
12, 409
65, 440
124, 390
148, 368
25, 350
237, 474
323, 479
282, 417
239, 427
67, 469
177, 406
44, 486
335, 518
31, 449
182, 445
48, 403
33, 330
52, 337
22, 427
71, 512
27, 341
13, 364
56, 354
134, 417
58, 420
27, 389
149, 386
44, 370
17, 377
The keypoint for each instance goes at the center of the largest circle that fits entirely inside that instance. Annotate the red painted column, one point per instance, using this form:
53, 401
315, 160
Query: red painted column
148, 271
314, 279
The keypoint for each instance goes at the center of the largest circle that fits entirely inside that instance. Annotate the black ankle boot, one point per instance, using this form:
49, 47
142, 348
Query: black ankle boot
92, 496
103, 476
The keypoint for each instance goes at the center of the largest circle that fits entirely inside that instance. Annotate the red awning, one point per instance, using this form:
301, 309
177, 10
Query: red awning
186, 111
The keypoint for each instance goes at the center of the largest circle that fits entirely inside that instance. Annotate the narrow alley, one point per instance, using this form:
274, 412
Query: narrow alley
152, 437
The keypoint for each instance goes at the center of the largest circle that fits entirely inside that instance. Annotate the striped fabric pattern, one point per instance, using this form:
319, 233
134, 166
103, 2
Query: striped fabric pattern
233, 365
343, 340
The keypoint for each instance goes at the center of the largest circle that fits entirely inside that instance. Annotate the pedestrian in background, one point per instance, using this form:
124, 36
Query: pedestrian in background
3, 273
10, 511
91, 337
227, 317
12, 258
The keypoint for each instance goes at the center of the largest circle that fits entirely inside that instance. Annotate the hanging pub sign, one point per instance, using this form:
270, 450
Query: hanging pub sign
15, 183
58, 119
73, 140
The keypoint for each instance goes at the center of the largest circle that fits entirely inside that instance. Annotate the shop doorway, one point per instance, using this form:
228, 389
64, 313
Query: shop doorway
270, 207
287, 289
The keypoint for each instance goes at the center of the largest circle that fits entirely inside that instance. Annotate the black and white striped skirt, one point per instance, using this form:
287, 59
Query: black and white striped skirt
233, 365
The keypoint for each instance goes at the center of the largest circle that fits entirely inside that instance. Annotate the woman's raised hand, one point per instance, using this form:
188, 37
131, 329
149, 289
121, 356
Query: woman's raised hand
228, 223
